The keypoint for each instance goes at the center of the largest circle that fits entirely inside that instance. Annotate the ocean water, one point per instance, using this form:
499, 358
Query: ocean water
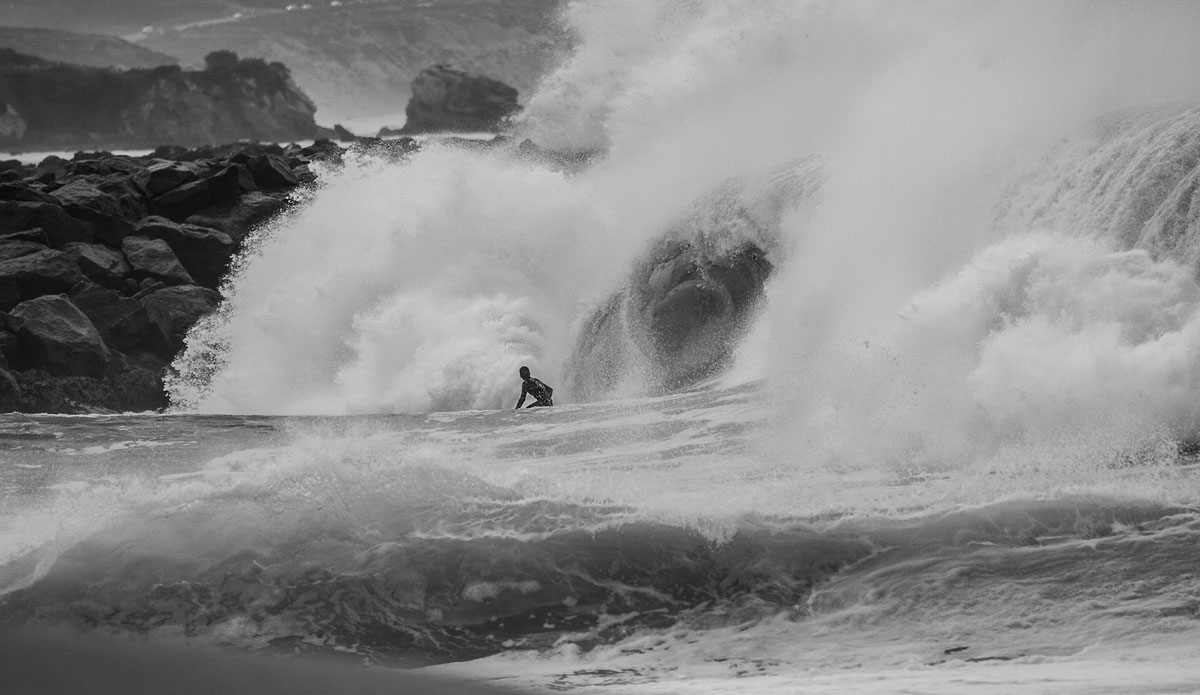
956, 451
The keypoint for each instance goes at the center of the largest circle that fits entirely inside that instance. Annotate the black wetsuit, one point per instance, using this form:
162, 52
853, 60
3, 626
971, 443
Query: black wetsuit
542, 394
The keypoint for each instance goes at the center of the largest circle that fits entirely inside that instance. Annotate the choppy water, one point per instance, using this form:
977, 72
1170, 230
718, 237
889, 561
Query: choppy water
622, 542
954, 452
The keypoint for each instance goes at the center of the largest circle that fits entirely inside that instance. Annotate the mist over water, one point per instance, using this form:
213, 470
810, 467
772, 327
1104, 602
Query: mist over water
922, 312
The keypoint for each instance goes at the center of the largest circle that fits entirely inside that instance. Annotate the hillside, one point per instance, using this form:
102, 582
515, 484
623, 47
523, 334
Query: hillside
116, 17
58, 106
81, 49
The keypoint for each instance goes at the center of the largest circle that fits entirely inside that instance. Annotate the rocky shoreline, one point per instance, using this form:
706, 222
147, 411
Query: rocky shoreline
107, 260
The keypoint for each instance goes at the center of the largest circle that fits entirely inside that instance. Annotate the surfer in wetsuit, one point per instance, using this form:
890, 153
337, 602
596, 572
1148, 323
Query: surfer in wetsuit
542, 394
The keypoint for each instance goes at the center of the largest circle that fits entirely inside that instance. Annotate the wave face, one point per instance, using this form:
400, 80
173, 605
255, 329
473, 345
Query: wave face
411, 540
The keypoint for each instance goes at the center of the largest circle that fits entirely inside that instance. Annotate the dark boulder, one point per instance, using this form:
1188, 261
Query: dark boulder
102, 264
103, 164
239, 218
50, 169
691, 297
448, 99
110, 204
203, 252
39, 273
15, 248
153, 258
162, 176
56, 336
172, 311
135, 389
271, 171
179, 202
36, 235
230, 182
121, 321
20, 192
686, 308
59, 227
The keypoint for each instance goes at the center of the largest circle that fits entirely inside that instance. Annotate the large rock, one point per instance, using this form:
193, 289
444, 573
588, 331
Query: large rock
162, 176
203, 252
105, 265
173, 310
104, 165
690, 298
686, 307
153, 258
445, 98
111, 204
230, 182
184, 200
56, 336
241, 217
271, 171
121, 321
134, 389
59, 227
22, 192
15, 248
39, 273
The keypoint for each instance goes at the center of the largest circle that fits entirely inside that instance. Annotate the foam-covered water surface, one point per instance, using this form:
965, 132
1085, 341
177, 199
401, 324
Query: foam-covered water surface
639, 537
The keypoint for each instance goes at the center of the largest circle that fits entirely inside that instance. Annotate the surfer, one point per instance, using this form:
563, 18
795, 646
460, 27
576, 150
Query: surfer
542, 394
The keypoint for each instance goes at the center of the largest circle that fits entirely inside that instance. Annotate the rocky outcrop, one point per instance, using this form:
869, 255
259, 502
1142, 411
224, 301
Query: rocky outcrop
55, 334
447, 99
96, 292
689, 298
65, 106
360, 58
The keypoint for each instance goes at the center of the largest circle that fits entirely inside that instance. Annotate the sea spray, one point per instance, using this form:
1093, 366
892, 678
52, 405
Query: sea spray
408, 288
420, 286
1045, 366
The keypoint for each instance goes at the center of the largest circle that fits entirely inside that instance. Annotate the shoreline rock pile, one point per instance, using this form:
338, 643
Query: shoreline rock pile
107, 260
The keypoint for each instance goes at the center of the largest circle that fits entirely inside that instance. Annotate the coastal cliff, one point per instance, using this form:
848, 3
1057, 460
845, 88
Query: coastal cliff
50, 105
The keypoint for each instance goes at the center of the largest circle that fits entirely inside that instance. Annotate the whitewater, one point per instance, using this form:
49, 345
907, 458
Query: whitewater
950, 446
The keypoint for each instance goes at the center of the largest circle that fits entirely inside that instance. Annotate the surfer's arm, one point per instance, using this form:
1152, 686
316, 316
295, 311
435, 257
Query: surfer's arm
524, 390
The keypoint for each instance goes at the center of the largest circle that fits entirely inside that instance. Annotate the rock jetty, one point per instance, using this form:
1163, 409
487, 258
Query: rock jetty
107, 260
